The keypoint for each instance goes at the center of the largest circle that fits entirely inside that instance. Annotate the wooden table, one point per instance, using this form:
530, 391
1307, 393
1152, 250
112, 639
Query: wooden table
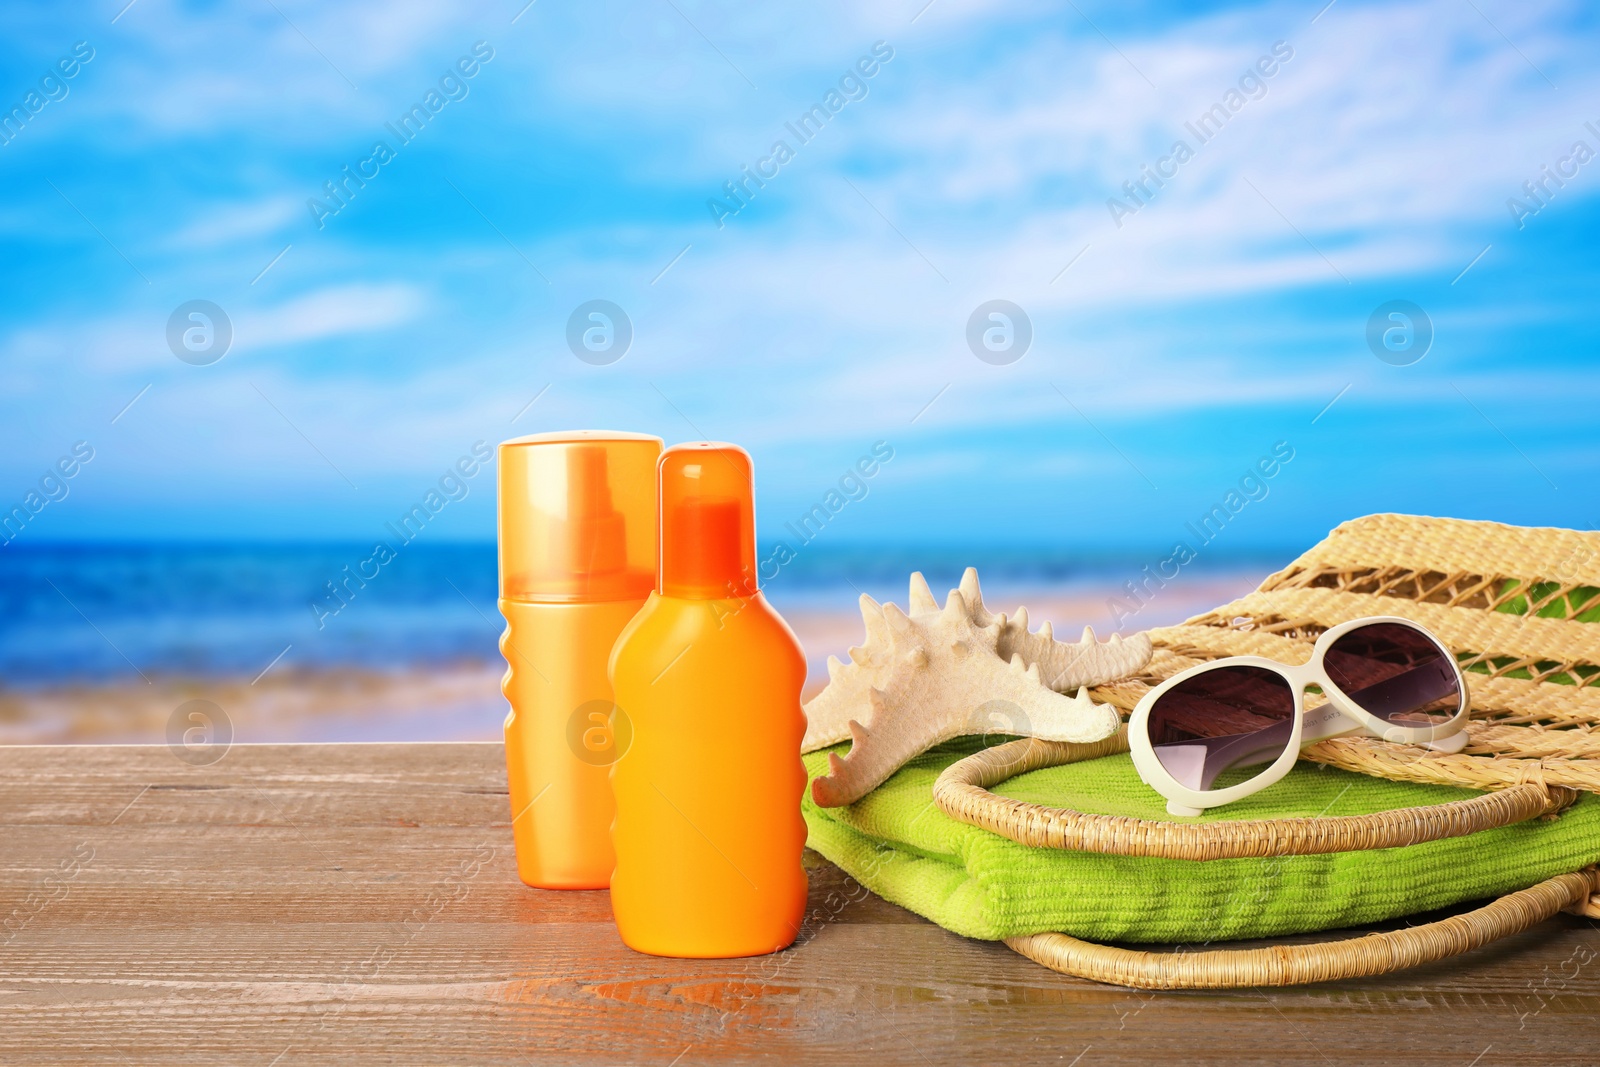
297, 904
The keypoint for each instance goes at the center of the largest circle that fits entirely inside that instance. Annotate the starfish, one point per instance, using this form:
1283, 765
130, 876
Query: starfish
938, 673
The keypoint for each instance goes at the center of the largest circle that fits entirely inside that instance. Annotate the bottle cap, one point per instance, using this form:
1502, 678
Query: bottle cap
578, 516
708, 527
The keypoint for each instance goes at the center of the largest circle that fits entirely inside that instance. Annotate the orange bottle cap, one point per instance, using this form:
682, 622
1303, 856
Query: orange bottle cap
708, 526
578, 516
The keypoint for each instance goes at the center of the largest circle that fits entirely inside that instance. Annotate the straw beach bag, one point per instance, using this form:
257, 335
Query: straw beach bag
1519, 607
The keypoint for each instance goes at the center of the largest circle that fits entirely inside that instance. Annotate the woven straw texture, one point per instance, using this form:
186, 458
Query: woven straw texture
1378, 953
1517, 605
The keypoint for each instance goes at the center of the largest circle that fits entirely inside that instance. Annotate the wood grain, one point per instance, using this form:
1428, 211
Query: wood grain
311, 904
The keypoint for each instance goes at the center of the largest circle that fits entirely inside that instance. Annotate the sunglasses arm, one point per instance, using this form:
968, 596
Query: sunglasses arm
1319, 724
1328, 721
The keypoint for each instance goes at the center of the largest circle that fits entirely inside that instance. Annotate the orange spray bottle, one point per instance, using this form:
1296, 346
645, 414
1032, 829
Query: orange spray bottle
708, 831
577, 559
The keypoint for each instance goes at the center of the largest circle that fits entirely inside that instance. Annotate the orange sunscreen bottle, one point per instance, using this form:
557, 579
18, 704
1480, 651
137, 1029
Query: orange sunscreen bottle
708, 830
577, 559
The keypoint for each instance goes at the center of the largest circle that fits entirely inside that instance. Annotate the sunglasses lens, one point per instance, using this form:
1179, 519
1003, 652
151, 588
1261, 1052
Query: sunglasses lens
1221, 719
1395, 672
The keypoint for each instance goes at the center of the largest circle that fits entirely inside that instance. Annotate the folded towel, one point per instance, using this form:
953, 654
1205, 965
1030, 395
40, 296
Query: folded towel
898, 844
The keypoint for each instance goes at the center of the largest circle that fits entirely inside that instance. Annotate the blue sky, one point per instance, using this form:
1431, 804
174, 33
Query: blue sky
1172, 347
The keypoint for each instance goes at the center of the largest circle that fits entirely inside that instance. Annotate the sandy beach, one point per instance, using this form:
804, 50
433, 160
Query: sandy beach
461, 701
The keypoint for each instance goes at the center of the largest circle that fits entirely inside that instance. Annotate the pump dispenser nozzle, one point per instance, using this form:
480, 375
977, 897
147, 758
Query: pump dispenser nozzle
708, 540
577, 516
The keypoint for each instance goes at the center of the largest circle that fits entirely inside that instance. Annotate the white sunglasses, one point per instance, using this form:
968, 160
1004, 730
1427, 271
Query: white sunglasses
1383, 676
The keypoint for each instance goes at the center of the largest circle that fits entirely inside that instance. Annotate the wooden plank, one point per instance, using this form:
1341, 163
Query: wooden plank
359, 904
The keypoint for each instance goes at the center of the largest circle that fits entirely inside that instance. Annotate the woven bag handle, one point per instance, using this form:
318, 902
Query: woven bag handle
1359, 957
962, 793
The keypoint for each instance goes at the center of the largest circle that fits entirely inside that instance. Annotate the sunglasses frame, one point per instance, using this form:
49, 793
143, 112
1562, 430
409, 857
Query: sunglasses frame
1339, 717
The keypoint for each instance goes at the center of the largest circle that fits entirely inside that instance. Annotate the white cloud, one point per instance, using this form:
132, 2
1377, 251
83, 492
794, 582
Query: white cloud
223, 224
200, 70
1390, 118
332, 312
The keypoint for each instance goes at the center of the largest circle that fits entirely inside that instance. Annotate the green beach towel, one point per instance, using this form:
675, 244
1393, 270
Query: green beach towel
898, 844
